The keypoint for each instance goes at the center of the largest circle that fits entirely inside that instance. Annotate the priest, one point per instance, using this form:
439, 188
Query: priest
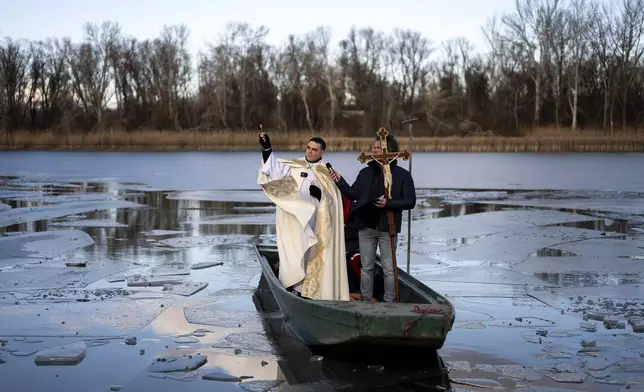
309, 222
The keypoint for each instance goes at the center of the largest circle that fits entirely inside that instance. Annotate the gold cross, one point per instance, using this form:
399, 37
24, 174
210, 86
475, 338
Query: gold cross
385, 157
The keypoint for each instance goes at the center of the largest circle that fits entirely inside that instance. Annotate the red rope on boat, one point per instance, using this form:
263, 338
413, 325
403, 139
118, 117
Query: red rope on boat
423, 312
429, 310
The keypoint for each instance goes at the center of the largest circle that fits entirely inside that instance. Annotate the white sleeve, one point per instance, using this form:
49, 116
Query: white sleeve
275, 169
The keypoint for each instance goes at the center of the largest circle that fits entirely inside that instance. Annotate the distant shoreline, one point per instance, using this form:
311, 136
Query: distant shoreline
229, 141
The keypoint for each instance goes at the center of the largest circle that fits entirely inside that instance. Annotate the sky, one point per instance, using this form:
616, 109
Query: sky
438, 20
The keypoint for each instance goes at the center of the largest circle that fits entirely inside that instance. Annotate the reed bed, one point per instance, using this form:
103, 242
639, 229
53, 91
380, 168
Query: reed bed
540, 140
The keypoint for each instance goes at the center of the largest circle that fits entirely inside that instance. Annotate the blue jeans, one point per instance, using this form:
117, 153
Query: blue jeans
369, 240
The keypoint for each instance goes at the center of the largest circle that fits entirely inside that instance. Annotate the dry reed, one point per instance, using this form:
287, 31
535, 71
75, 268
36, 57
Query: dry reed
539, 140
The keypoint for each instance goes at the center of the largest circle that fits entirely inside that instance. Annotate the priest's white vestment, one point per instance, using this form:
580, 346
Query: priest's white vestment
310, 233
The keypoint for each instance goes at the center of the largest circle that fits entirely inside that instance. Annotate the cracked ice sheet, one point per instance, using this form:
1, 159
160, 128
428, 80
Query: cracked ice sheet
513, 248
220, 314
480, 322
206, 240
489, 275
90, 223
561, 296
24, 182
258, 219
605, 247
41, 276
458, 196
46, 244
615, 205
236, 365
579, 265
249, 196
491, 308
65, 198
487, 223
161, 233
11, 193
110, 317
32, 214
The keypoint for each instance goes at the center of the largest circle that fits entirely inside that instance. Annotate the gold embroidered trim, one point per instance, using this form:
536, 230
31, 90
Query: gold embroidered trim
301, 161
280, 188
315, 264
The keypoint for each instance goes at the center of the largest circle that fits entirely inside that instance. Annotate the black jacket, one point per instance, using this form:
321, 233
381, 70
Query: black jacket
369, 185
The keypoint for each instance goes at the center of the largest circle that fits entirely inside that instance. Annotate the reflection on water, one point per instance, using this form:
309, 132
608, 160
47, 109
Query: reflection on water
435, 207
609, 225
581, 279
212, 216
191, 217
553, 252
162, 213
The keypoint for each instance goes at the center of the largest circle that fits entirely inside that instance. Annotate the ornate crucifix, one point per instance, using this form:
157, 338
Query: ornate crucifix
384, 159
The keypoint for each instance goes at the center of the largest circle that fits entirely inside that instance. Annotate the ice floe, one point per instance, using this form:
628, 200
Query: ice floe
65, 198
253, 196
206, 264
186, 362
138, 280
47, 244
161, 233
514, 247
257, 219
186, 288
30, 214
69, 354
89, 223
207, 240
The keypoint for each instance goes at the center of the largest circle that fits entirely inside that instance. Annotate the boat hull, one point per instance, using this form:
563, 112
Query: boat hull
422, 324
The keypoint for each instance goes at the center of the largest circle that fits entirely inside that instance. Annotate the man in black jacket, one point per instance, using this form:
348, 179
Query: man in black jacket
371, 206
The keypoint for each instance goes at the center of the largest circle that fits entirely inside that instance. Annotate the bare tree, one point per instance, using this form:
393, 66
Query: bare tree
14, 67
413, 54
548, 63
91, 69
577, 28
629, 27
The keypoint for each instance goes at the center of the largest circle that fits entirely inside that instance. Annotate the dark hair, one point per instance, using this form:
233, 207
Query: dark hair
392, 143
319, 141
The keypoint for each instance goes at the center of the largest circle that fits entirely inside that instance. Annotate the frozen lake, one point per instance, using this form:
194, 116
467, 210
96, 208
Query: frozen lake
219, 170
542, 255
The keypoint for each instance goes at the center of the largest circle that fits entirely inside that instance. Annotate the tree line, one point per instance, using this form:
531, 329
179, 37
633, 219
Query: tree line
549, 63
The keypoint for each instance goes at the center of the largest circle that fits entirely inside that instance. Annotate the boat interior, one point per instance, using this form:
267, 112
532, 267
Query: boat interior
408, 287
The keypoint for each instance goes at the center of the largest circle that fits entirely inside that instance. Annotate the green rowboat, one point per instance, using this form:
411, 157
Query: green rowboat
422, 319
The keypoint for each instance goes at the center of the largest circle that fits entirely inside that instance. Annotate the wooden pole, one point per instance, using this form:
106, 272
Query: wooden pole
409, 121
392, 239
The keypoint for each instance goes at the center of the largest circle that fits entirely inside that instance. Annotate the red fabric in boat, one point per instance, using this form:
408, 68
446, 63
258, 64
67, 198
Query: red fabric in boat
354, 263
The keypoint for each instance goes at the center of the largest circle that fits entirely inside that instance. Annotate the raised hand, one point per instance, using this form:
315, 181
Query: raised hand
264, 140
335, 176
